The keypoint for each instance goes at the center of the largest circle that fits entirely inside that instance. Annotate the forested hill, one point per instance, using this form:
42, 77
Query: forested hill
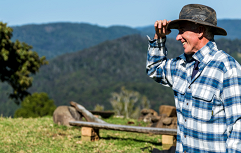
55, 39
89, 76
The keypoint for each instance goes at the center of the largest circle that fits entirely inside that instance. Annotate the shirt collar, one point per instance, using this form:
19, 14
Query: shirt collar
206, 52
203, 55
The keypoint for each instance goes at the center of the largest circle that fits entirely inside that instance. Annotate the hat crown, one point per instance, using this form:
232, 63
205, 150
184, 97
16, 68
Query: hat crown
199, 13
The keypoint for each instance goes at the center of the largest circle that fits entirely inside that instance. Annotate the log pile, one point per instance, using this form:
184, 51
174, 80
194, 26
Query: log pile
166, 122
65, 114
76, 112
167, 117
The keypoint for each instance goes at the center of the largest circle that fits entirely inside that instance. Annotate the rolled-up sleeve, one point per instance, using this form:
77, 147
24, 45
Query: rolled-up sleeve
158, 67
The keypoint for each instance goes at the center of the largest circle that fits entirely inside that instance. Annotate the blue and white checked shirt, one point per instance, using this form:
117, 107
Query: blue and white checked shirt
209, 105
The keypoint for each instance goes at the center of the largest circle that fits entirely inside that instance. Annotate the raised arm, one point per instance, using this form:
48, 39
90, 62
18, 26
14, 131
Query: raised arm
158, 66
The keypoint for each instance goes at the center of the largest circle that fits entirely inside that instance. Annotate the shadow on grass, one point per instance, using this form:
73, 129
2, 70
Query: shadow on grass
77, 137
133, 139
117, 138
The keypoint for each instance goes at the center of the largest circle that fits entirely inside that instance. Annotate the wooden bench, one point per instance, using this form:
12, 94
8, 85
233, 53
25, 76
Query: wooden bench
90, 131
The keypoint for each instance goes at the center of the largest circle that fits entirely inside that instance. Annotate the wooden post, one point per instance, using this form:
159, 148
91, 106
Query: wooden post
89, 134
168, 141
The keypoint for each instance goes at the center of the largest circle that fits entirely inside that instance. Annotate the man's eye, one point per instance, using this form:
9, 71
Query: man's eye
181, 30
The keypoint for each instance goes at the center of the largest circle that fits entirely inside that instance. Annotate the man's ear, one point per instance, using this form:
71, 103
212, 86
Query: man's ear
201, 31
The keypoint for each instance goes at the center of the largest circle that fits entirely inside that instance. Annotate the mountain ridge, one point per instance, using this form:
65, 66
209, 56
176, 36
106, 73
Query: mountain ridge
54, 39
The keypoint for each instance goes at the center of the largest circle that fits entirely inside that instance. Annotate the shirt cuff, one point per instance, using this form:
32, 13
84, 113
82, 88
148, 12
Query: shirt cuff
157, 43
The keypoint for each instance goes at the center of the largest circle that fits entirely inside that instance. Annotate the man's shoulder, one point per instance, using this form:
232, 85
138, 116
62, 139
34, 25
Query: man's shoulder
225, 58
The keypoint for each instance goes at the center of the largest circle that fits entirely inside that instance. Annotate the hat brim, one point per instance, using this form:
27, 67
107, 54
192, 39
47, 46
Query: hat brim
216, 30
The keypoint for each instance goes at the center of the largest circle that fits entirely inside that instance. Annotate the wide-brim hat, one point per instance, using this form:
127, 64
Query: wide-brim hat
199, 14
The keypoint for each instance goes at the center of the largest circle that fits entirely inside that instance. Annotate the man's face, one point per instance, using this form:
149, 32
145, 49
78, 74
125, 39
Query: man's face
188, 35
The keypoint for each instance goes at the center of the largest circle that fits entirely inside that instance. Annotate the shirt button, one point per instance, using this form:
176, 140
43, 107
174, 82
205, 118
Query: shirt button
187, 103
184, 136
185, 120
189, 87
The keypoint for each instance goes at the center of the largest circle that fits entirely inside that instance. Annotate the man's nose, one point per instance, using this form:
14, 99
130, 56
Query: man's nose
179, 37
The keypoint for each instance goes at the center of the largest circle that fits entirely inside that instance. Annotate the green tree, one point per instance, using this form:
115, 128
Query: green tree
36, 105
17, 63
128, 103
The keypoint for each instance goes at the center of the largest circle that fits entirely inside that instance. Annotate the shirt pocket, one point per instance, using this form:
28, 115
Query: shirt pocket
202, 103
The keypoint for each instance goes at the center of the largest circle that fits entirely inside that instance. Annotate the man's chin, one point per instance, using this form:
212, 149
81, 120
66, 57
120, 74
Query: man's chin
187, 52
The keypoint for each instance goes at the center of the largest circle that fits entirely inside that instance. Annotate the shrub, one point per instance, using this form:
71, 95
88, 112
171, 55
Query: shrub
36, 105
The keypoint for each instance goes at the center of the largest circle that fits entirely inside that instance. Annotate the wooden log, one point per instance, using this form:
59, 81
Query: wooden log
88, 115
126, 128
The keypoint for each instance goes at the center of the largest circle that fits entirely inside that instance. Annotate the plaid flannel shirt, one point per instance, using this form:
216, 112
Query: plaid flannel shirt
209, 105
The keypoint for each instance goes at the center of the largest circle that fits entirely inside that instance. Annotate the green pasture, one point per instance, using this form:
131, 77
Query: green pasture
41, 135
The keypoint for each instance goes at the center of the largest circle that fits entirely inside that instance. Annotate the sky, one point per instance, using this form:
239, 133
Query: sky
132, 13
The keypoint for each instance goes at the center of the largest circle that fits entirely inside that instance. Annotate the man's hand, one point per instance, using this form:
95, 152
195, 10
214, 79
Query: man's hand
161, 28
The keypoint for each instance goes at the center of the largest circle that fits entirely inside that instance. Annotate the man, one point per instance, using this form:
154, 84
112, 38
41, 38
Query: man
206, 82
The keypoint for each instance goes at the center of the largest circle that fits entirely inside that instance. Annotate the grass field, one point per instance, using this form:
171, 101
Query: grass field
41, 135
